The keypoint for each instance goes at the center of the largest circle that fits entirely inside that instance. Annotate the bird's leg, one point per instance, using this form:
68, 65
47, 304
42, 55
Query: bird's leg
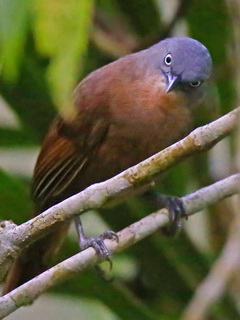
174, 206
97, 243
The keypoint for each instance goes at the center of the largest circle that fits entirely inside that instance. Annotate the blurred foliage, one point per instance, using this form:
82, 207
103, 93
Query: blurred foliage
47, 47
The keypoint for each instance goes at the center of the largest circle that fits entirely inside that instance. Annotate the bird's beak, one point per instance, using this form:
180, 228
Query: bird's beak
171, 81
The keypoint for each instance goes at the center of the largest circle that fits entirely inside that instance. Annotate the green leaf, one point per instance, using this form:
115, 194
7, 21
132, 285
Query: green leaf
15, 201
61, 33
13, 31
209, 23
29, 97
15, 138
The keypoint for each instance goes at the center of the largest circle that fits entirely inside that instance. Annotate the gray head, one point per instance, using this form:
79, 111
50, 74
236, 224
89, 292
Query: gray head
185, 62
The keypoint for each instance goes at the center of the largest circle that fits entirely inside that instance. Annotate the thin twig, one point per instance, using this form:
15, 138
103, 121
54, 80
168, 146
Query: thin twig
29, 291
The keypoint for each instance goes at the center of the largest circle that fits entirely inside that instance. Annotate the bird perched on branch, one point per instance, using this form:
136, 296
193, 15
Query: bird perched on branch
124, 112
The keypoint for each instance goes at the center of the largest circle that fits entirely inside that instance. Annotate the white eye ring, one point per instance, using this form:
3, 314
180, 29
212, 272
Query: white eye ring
195, 84
168, 59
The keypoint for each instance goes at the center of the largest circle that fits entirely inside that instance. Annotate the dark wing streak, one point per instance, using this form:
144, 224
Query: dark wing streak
40, 179
48, 186
62, 179
74, 174
53, 183
69, 152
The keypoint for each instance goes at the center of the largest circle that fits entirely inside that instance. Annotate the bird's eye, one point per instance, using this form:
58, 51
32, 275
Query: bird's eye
195, 84
168, 59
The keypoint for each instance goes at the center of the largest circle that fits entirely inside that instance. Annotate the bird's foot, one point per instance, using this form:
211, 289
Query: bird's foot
176, 214
175, 208
98, 244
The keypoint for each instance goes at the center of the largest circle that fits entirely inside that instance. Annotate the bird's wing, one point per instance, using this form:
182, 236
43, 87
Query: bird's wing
66, 151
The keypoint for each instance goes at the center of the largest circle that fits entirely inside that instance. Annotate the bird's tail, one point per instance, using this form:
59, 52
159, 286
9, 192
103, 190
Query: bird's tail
33, 260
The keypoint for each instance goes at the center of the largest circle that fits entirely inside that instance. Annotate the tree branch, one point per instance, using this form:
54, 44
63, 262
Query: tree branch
29, 291
116, 189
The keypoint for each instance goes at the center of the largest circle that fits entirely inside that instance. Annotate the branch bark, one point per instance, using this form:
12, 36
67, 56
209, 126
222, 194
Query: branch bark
133, 180
29, 291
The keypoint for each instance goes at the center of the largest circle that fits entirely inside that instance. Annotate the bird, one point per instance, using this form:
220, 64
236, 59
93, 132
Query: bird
124, 112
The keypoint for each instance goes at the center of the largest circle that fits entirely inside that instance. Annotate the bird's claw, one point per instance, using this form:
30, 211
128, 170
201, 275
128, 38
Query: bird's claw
176, 214
108, 234
99, 246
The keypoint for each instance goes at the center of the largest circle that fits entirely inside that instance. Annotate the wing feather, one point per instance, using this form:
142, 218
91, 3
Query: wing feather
63, 157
